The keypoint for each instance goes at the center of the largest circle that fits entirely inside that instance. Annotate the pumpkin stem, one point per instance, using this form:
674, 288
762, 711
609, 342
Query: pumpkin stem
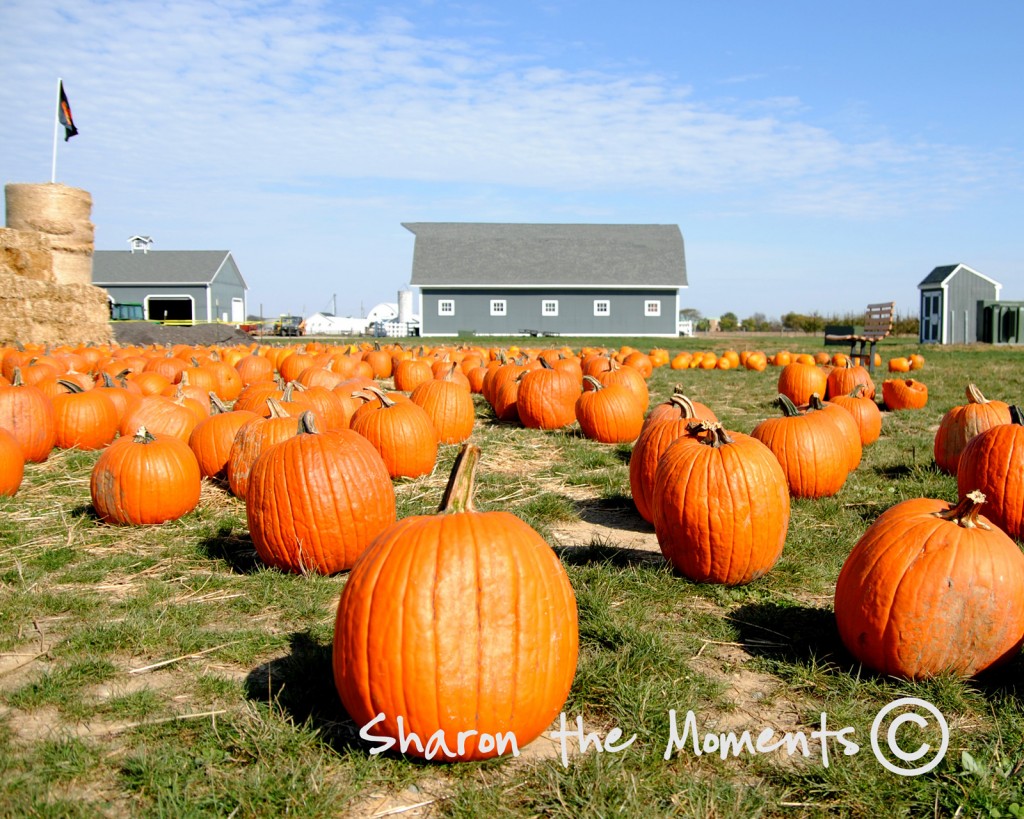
307, 423
217, 405
711, 433
966, 512
816, 403
686, 408
974, 395
597, 385
858, 390
276, 410
70, 386
380, 395
143, 436
16, 379
1016, 415
458, 495
785, 403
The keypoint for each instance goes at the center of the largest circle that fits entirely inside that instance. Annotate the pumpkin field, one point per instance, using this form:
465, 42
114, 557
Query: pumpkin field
708, 577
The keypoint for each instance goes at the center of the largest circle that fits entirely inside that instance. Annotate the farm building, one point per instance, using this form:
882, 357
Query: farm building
173, 285
328, 324
961, 306
559, 279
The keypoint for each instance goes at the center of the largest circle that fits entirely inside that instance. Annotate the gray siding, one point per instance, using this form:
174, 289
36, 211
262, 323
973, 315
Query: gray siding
963, 293
142, 294
523, 311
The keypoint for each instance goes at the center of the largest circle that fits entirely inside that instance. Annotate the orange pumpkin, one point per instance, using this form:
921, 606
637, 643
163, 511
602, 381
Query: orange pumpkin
316, 499
993, 462
932, 589
960, 424
462, 625
904, 393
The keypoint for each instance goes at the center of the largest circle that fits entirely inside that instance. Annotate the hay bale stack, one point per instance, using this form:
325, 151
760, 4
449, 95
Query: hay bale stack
25, 254
61, 215
50, 312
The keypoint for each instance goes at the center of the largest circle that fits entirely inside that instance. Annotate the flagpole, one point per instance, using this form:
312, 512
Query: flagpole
56, 128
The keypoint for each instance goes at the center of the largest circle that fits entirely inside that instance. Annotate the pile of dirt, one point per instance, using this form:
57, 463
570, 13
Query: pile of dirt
144, 333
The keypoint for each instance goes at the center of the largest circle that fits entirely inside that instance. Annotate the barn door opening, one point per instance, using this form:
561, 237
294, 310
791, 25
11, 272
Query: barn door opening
170, 308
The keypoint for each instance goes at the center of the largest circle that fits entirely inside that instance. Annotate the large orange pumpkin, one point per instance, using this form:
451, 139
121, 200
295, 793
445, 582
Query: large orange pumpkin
993, 462
27, 414
315, 500
931, 589
799, 381
145, 478
721, 505
12, 463
462, 625
960, 424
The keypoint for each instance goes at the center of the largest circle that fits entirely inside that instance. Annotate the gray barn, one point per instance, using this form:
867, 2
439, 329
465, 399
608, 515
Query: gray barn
565, 279
953, 300
173, 285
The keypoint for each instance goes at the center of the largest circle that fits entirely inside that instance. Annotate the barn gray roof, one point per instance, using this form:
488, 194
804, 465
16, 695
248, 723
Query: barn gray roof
484, 254
941, 274
157, 266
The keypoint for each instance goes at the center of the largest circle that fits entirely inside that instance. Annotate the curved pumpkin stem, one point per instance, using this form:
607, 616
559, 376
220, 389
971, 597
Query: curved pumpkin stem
858, 391
686, 408
1016, 415
597, 385
816, 403
966, 512
307, 424
70, 386
458, 495
276, 410
974, 395
216, 404
785, 403
375, 392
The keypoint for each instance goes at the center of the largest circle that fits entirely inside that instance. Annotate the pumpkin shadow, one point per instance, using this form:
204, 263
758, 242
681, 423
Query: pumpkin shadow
617, 512
619, 557
234, 548
301, 685
802, 635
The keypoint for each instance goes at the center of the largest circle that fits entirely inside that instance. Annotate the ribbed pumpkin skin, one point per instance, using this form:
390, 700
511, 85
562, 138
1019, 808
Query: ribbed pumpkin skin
161, 416
12, 464
643, 461
254, 436
212, 439
920, 596
811, 450
449, 406
844, 380
84, 420
27, 414
960, 424
470, 622
547, 399
799, 382
403, 435
865, 412
611, 415
316, 500
721, 513
136, 482
904, 393
993, 463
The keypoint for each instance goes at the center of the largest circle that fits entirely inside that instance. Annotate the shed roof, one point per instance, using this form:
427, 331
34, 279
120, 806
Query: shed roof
940, 275
158, 266
482, 254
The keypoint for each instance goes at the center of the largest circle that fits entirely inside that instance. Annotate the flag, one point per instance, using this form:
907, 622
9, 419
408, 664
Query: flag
64, 115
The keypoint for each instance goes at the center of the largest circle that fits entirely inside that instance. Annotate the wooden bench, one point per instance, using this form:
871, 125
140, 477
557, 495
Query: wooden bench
878, 323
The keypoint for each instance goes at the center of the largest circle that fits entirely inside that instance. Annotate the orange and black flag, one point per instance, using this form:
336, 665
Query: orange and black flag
64, 114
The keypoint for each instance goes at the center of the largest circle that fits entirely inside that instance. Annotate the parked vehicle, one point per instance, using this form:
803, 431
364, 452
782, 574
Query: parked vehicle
288, 326
126, 312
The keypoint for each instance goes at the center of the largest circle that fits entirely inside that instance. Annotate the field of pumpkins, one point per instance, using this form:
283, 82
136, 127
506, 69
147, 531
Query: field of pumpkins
466, 579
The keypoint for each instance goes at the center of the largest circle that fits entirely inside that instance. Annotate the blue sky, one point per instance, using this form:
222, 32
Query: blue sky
816, 156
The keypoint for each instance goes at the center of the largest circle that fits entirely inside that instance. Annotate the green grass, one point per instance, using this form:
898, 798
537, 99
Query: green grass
165, 671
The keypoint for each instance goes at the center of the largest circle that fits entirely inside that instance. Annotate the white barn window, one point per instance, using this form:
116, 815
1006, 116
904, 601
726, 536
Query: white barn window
498, 307
652, 308
602, 307
549, 307
446, 307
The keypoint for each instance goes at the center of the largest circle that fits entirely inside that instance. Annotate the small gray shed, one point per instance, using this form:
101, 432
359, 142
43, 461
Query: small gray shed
953, 303
173, 285
564, 279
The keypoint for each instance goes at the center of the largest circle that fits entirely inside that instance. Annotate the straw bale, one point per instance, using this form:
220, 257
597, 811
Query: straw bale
25, 253
50, 312
61, 215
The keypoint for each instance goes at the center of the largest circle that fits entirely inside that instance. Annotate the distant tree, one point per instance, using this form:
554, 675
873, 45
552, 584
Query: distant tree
757, 323
702, 325
691, 314
728, 322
